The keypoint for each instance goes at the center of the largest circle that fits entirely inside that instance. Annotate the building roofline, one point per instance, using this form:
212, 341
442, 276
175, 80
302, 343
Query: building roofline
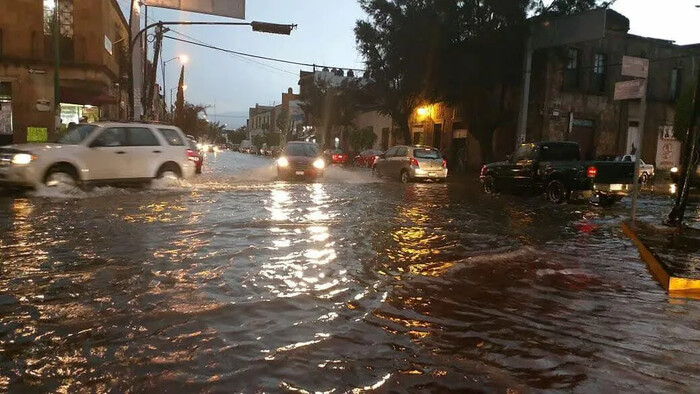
657, 40
121, 14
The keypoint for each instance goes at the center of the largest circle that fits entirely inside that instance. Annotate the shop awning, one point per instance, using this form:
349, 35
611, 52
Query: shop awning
83, 96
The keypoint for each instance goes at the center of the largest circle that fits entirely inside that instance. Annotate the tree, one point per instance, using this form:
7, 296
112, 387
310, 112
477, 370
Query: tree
180, 102
237, 136
465, 53
683, 113
362, 139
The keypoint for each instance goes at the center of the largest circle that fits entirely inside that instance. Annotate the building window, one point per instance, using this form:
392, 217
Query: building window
600, 62
675, 88
65, 28
571, 73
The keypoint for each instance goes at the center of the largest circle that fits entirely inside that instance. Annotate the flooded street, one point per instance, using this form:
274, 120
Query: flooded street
241, 283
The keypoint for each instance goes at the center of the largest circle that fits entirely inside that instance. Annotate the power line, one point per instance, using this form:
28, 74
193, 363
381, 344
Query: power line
272, 59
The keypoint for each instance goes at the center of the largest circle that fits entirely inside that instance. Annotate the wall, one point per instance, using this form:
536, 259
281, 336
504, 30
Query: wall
378, 122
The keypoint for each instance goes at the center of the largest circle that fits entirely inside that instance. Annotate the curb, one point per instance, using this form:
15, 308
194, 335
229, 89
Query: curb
669, 282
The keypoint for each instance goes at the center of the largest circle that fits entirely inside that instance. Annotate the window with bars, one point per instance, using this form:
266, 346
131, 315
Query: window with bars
675, 87
600, 62
65, 28
571, 73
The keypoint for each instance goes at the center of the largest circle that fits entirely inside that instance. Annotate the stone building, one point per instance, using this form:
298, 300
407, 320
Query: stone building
93, 65
573, 87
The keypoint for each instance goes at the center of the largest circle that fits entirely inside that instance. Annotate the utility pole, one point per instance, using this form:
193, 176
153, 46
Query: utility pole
525, 98
57, 67
151, 82
638, 155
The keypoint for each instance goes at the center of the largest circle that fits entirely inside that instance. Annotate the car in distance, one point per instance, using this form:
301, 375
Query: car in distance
99, 153
335, 156
646, 171
195, 155
300, 160
556, 169
694, 177
366, 158
407, 163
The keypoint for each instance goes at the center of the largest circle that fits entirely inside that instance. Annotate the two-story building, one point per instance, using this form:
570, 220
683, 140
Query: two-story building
93, 37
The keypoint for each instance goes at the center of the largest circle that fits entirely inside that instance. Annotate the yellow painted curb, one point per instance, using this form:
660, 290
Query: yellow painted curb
670, 283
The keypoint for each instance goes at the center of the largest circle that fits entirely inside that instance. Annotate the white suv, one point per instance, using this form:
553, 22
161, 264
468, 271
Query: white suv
99, 153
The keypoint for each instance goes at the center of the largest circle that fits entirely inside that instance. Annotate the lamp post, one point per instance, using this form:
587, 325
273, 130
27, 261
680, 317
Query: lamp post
183, 60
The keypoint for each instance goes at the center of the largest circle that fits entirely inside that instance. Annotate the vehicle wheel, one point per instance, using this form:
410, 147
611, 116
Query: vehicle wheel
404, 177
644, 178
557, 192
169, 171
375, 172
62, 177
489, 186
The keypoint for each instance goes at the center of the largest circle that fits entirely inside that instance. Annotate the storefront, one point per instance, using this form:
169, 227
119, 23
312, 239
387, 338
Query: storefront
75, 113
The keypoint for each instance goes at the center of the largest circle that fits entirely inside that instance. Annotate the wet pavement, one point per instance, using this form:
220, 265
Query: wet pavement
240, 283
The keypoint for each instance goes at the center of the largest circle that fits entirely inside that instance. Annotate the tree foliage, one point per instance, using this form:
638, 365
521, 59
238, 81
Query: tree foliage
330, 107
180, 102
466, 53
237, 136
361, 139
684, 113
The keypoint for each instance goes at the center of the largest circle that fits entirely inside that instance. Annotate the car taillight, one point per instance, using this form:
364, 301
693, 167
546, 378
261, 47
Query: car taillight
335, 157
414, 162
592, 172
444, 163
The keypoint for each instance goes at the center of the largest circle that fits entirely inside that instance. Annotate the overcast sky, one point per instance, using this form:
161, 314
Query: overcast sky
325, 36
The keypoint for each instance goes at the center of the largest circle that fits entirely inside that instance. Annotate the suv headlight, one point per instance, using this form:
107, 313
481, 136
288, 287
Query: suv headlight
674, 170
319, 164
283, 162
22, 158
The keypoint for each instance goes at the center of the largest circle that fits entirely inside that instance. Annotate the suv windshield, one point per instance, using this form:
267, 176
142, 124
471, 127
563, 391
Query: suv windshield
426, 154
77, 135
308, 150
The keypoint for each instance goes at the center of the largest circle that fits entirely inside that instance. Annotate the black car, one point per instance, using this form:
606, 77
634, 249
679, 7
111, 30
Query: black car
556, 169
300, 160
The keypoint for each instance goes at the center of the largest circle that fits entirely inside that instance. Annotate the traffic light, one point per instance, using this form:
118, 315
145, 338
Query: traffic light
272, 28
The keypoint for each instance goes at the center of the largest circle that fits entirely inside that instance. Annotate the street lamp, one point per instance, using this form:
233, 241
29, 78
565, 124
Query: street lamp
183, 60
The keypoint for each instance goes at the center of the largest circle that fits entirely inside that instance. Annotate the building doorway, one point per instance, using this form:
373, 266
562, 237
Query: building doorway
583, 132
5, 113
633, 137
437, 135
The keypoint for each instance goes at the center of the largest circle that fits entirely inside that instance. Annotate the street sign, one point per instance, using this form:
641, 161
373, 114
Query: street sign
635, 67
228, 8
630, 90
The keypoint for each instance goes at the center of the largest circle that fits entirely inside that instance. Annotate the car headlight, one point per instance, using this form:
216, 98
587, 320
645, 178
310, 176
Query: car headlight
319, 164
283, 162
674, 170
22, 158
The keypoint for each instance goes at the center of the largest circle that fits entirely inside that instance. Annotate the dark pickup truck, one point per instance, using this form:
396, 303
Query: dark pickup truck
556, 169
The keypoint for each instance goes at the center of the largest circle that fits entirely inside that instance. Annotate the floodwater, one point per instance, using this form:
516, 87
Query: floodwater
237, 282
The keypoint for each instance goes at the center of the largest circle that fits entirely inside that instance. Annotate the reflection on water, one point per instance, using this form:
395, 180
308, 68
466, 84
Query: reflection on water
246, 284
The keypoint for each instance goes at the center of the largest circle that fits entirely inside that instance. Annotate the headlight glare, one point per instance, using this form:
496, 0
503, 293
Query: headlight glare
22, 158
283, 162
674, 169
319, 164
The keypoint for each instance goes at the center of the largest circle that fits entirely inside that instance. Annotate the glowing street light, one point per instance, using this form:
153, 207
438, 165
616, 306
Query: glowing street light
423, 111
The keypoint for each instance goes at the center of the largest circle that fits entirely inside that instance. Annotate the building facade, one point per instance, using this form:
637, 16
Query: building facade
93, 37
261, 119
573, 94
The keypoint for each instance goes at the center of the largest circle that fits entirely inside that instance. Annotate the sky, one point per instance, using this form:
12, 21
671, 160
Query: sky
231, 84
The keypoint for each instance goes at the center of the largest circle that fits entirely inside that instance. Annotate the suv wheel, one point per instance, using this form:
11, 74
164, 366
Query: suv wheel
644, 178
557, 192
404, 177
169, 171
61, 177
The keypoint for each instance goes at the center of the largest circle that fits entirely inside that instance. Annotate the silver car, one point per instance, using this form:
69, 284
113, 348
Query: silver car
408, 163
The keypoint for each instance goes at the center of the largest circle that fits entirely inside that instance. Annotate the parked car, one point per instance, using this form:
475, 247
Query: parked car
366, 158
646, 171
694, 177
555, 168
335, 156
99, 153
408, 163
300, 160
195, 155
245, 147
